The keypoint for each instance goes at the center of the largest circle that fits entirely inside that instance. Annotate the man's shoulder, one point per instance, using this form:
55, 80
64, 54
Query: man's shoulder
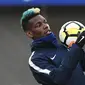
43, 52
37, 54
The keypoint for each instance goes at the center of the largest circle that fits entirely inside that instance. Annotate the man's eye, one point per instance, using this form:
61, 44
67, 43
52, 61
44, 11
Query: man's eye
45, 21
38, 25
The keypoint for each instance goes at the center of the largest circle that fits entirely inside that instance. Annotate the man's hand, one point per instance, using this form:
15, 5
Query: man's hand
81, 39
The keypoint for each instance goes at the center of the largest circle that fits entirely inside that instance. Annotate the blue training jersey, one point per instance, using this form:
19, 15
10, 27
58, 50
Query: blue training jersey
56, 65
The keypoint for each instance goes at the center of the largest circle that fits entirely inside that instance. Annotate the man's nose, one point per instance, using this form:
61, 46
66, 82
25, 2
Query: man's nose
45, 26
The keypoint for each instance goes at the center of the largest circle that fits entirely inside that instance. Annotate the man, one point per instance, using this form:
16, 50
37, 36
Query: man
51, 63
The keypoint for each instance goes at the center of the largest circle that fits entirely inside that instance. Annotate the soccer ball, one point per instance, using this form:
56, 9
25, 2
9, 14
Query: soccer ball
69, 32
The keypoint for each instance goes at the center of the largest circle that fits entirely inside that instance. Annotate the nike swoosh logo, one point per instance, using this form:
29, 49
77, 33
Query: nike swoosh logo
53, 57
81, 39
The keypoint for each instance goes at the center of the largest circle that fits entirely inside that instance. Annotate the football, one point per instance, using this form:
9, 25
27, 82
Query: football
70, 31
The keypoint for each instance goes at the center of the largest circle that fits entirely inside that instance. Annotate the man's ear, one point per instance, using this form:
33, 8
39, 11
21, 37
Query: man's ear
29, 34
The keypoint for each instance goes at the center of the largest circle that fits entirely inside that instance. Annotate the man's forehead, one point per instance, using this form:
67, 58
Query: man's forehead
36, 18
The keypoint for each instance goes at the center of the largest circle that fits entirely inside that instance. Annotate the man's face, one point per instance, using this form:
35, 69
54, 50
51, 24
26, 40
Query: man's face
39, 27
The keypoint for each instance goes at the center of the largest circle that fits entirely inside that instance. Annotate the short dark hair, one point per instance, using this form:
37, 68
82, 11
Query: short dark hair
27, 15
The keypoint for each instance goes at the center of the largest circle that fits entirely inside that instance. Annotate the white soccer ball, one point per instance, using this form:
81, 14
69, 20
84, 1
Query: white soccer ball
69, 32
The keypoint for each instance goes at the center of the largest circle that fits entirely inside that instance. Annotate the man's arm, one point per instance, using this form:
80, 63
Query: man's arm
68, 64
82, 63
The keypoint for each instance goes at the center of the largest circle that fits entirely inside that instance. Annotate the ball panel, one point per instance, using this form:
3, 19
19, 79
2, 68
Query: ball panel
70, 39
80, 24
72, 31
83, 29
62, 36
72, 25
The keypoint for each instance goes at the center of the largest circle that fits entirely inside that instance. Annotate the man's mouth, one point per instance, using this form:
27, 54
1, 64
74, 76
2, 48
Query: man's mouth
48, 32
